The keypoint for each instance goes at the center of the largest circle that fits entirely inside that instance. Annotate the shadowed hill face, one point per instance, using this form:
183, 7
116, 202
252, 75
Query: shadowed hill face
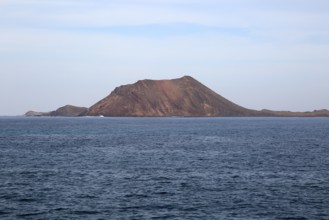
178, 97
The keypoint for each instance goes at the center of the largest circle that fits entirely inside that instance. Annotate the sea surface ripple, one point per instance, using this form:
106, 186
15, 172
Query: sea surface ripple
164, 168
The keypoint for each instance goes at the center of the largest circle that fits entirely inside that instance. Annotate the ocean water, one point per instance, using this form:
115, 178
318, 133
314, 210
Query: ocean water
164, 168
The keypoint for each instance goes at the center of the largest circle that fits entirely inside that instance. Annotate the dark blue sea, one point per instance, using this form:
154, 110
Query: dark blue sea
164, 168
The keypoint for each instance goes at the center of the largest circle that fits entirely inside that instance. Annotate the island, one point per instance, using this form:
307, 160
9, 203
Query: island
182, 97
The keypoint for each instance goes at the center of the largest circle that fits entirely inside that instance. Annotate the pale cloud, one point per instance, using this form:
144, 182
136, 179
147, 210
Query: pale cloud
282, 21
237, 13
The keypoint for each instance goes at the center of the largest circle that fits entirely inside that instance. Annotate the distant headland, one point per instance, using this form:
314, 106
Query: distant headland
67, 110
183, 97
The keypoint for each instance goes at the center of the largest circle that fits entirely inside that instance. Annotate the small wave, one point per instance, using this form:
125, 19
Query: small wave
136, 196
26, 200
3, 212
162, 193
85, 212
215, 139
30, 214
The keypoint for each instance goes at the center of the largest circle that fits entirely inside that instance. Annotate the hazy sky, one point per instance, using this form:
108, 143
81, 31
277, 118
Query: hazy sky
270, 54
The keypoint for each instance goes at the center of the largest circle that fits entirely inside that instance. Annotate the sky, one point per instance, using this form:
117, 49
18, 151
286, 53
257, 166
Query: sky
271, 54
